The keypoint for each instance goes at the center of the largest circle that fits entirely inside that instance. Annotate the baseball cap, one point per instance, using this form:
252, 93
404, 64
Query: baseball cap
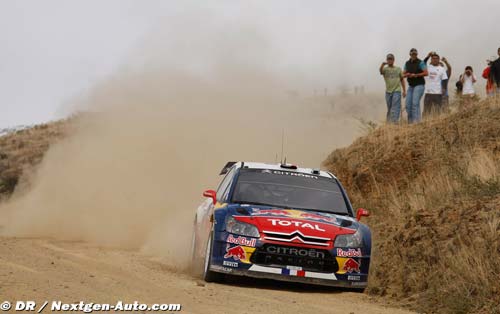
413, 50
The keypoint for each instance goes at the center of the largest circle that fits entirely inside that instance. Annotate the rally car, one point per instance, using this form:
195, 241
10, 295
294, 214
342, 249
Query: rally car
281, 222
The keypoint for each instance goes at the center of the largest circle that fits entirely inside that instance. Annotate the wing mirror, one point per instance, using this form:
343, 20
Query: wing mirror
362, 213
212, 194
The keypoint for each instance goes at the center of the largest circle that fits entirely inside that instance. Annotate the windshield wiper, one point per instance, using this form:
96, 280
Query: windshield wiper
254, 203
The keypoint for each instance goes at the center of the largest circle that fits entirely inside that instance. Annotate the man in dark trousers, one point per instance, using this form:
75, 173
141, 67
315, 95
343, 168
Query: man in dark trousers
415, 70
495, 72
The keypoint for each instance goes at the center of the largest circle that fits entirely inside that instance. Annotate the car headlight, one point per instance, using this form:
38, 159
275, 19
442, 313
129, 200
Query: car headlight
349, 240
241, 228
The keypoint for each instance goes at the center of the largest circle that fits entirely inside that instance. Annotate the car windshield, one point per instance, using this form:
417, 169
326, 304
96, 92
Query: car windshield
288, 189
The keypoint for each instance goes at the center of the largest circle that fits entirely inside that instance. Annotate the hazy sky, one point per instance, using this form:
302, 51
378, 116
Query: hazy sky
52, 51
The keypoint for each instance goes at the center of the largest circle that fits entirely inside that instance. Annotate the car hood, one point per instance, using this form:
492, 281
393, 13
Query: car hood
306, 227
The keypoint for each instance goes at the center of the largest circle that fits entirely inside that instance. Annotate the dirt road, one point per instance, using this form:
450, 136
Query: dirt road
40, 269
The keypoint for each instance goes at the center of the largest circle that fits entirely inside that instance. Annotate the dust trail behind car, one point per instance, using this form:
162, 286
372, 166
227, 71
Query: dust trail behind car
132, 172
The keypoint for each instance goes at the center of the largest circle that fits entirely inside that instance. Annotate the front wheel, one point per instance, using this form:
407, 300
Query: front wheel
208, 275
196, 259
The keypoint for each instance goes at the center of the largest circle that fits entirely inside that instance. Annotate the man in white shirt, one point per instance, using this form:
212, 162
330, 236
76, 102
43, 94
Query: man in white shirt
433, 101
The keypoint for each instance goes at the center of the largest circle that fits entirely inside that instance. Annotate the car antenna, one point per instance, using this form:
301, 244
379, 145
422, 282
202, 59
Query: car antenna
282, 144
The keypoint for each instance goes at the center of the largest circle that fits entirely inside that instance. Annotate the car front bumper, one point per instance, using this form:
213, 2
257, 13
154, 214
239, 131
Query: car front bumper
275, 273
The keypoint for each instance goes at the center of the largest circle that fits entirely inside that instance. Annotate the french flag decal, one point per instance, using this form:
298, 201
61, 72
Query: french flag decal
293, 272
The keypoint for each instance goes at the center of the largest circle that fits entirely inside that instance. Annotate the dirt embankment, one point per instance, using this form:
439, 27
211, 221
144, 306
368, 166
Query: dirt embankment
21, 151
434, 193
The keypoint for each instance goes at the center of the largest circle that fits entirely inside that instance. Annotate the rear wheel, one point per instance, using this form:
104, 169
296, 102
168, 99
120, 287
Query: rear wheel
208, 275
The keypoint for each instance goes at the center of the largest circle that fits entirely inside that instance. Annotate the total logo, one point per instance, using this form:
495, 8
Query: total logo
349, 253
300, 224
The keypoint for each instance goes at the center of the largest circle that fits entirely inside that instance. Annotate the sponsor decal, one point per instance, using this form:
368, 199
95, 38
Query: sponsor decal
355, 283
349, 253
230, 264
295, 251
351, 266
236, 252
241, 241
298, 214
300, 224
220, 268
295, 174
354, 278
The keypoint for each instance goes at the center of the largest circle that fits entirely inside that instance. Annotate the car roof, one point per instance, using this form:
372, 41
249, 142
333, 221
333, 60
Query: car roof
281, 167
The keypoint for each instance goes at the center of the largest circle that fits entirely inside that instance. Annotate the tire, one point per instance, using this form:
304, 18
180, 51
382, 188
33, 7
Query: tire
196, 260
208, 275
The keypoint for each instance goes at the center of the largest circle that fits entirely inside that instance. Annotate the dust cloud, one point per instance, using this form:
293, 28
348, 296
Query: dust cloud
155, 135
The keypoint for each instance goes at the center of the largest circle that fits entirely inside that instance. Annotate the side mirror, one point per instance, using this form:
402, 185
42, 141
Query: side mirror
362, 213
212, 194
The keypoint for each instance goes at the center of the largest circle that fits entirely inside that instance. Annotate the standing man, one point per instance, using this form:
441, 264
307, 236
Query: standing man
445, 82
415, 70
495, 72
394, 80
433, 101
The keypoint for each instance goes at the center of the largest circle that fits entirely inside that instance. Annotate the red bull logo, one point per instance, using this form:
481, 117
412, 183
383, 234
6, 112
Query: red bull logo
351, 266
349, 253
236, 252
277, 212
298, 214
241, 241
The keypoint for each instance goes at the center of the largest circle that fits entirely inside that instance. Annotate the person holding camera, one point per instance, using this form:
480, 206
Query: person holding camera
394, 80
495, 72
415, 70
433, 100
468, 79
490, 83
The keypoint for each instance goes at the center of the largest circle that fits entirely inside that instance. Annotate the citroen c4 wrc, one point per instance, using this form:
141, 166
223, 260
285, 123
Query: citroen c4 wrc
281, 222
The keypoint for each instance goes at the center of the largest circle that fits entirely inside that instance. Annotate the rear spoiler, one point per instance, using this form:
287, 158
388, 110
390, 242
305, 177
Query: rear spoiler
226, 168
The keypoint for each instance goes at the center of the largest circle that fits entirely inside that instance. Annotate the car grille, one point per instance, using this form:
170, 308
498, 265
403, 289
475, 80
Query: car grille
306, 258
296, 237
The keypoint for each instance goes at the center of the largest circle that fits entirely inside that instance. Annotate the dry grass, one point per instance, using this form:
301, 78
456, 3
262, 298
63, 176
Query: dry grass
22, 150
434, 191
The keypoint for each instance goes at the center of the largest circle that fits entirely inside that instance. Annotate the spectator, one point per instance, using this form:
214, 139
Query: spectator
433, 101
468, 79
495, 72
445, 82
394, 80
490, 83
415, 70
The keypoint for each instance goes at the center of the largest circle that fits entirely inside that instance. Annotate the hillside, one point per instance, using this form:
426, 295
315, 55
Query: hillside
434, 193
22, 149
